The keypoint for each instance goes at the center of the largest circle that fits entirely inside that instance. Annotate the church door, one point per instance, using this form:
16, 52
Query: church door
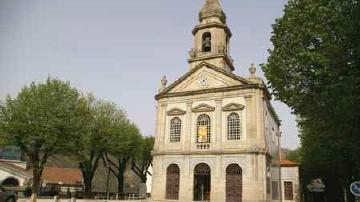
202, 182
172, 182
233, 183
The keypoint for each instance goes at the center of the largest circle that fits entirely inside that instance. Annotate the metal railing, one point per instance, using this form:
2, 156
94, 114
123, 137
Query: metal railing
119, 197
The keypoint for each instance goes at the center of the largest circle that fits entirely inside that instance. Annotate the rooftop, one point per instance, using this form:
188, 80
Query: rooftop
69, 176
288, 163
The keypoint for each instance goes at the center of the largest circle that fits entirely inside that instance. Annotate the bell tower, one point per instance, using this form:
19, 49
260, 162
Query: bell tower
211, 38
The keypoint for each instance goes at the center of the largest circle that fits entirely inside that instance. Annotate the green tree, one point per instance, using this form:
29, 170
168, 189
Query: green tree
314, 68
99, 119
294, 155
143, 159
122, 147
42, 121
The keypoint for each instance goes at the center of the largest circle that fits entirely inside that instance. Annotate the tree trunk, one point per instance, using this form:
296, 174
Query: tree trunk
37, 172
87, 185
143, 178
120, 180
120, 177
88, 168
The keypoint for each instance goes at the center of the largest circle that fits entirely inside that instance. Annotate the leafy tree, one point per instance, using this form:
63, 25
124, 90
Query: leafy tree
314, 68
294, 155
122, 146
98, 122
143, 161
42, 121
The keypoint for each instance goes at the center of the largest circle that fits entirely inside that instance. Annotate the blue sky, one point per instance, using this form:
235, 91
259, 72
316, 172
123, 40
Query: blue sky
120, 49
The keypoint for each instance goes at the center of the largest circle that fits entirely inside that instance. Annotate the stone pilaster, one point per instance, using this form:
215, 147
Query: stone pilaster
162, 126
218, 125
188, 135
250, 119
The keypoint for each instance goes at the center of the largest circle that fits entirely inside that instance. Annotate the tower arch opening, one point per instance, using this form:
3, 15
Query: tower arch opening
206, 42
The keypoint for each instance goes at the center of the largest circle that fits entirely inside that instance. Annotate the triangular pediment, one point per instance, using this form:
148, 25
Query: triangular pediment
203, 108
205, 76
175, 112
233, 107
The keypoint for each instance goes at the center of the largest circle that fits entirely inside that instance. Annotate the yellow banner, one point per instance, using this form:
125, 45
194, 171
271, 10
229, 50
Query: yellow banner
202, 134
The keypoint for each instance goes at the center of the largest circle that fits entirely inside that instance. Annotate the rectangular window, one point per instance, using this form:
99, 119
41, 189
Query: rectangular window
289, 192
275, 190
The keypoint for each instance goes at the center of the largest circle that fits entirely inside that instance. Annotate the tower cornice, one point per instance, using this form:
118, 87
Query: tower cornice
225, 57
212, 24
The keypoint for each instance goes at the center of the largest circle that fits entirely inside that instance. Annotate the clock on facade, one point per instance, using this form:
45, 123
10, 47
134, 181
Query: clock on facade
203, 81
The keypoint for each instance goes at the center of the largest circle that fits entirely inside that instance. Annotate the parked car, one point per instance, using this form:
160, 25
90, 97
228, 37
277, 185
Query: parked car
7, 196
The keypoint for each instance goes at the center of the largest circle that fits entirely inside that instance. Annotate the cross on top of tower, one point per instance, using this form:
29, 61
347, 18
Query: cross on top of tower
212, 8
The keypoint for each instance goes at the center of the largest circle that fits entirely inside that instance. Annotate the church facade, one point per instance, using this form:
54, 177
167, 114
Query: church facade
217, 135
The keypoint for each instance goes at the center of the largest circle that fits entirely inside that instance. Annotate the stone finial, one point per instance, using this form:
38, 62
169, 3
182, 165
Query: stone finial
163, 83
192, 53
252, 70
212, 8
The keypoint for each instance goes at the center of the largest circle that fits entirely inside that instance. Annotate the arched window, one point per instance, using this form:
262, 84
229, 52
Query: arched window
175, 129
172, 182
206, 42
233, 127
233, 183
203, 129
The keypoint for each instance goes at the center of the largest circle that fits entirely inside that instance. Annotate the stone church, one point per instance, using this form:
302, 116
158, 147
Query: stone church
217, 135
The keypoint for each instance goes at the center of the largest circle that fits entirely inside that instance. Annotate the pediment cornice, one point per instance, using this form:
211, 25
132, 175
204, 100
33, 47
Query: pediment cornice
175, 112
203, 108
233, 107
167, 90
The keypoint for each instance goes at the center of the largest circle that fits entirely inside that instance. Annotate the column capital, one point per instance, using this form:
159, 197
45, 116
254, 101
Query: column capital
218, 100
248, 97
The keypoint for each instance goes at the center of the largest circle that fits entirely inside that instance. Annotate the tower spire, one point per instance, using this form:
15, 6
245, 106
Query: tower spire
212, 8
211, 38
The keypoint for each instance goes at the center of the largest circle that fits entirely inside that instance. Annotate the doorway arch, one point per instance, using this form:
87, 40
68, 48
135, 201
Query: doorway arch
202, 182
10, 182
233, 183
172, 182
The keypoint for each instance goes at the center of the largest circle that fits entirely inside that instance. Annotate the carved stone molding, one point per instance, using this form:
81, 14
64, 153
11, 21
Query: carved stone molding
176, 112
233, 107
203, 108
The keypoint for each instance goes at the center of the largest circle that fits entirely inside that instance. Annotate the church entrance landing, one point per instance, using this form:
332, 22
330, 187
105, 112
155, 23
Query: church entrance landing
202, 182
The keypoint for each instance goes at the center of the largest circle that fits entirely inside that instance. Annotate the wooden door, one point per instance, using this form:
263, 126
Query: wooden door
172, 182
233, 183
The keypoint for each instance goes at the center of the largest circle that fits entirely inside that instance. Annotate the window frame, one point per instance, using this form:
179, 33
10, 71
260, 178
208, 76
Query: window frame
285, 190
234, 132
208, 126
175, 130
